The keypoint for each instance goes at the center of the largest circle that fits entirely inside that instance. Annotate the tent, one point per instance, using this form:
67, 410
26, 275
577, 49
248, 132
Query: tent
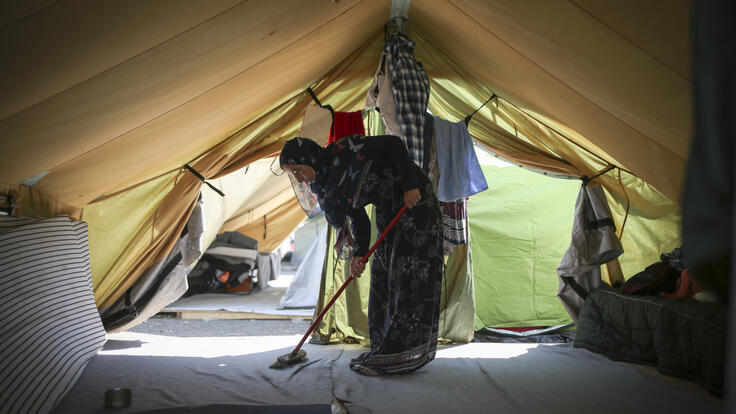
109, 124
304, 288
109, 108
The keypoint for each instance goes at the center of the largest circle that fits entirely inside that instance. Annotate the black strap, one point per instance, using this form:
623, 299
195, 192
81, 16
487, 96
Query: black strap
198, 175
587, 180
599, 224
467, 118
575, 286
265, 227
316, 100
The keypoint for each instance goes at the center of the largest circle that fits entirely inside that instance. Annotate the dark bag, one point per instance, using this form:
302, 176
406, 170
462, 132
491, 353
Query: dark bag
657, 278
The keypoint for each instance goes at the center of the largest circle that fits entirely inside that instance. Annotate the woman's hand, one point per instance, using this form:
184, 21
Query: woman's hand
412, 197
357, 266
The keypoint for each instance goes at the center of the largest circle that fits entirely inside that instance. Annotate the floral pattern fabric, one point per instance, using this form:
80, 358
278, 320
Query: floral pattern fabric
406, 275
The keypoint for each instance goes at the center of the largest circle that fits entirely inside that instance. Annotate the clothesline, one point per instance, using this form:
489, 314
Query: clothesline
332, 110
417, 92
584, 178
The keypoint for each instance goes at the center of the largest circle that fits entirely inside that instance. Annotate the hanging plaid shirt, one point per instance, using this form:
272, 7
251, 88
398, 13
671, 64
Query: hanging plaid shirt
411, 93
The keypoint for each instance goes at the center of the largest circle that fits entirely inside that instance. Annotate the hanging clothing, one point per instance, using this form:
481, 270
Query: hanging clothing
411, 93
400, 89
428, 143
453, 224
593, 243
406, 275
345, 124
460, 172
433, 166
380, 95
454, 212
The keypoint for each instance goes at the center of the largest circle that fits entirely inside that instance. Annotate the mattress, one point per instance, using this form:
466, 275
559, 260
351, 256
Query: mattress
681, 337
50, 325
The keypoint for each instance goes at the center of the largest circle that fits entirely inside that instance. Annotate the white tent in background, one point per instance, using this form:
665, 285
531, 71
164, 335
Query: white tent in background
304, 288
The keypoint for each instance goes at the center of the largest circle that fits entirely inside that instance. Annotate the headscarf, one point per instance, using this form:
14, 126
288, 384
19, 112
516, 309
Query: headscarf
337, 168
303, 151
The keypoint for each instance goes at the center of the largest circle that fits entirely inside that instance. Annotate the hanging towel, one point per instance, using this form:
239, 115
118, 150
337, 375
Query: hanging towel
594, 243
453, 224
346, 123
453, 212
411, 93
460, 172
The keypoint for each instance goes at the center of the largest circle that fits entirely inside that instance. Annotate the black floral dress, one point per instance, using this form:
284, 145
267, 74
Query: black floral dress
406, 274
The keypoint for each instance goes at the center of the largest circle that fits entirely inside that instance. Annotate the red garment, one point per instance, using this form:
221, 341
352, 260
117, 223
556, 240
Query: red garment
344, 124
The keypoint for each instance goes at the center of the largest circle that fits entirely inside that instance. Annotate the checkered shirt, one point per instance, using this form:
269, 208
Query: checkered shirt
411, 93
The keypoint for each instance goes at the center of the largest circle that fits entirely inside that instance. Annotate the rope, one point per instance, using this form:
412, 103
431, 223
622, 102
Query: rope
628, 204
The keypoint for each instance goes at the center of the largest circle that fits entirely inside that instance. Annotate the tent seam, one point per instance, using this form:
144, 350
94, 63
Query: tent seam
28, 16
630, 41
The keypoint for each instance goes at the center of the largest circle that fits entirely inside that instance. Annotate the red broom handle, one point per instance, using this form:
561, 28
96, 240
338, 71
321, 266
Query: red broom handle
348, 280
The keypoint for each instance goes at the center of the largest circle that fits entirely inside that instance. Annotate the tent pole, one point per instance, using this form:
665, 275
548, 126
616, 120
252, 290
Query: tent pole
399, 14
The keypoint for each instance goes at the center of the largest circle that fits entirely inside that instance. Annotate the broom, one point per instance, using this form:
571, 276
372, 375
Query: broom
298, 354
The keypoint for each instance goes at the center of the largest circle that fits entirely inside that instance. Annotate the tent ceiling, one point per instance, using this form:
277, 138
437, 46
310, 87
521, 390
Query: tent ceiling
554, 59
95, 38
11, 12
154, 111
660, 29
105, 94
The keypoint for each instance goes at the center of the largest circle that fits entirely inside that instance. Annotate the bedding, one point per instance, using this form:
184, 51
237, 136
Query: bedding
681, 337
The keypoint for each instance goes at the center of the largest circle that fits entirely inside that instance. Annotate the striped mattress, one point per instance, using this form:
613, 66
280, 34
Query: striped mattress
50, 325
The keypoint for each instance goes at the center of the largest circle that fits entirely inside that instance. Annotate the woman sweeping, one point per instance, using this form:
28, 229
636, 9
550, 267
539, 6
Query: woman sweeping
406, 268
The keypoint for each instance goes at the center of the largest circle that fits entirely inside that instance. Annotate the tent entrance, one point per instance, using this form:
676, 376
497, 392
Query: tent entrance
520, 229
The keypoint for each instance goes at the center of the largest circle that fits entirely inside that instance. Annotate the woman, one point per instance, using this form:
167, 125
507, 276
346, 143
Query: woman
406, 269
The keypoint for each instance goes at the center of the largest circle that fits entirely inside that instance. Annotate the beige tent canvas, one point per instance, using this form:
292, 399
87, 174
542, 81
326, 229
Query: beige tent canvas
112, 122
